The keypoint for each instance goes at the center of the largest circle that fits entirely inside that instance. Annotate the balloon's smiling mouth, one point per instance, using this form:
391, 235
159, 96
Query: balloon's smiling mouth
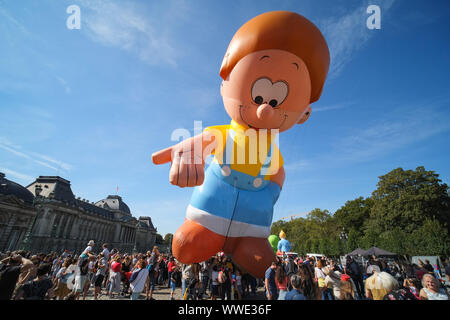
256, 128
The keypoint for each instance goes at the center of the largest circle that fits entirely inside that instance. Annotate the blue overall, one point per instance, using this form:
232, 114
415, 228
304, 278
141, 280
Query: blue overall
234, 197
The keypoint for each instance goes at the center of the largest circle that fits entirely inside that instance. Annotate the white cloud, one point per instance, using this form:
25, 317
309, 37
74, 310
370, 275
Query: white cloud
347, 34
384, 136
299, 165
332, 107
124, 27
45, 161
64, 84
21, 176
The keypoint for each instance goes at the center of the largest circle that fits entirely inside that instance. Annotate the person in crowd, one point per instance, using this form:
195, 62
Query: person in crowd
248, 284
192, 283
291, 267
163, 272
187, 274
270, 283
413, 285
334, 266
427, 266
400, 294
379, 285
204, 277
308, 286
61, 289
101, 267
408, 271
431, 289
126, 268
331, 284
353, 269
173, 281
138, 279
105, 251
281, 280
214, 282
38, 289
319, 278
170, 265
10, 269
296, 292
152, 266
238, 284
346, 288
419, 269
81, 273
88, 250
32, 271
115, 276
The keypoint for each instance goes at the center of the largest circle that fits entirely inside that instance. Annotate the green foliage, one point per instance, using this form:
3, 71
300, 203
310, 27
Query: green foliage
407, 214
168, 238
352, 241
159, 239
353, 214
406, 198
430, 239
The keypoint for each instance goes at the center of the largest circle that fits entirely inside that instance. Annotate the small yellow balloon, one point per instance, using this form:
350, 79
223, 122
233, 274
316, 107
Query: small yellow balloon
282, 234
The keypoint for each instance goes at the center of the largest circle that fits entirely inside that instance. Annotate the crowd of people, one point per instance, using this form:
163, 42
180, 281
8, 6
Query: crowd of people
135, 276
327, 279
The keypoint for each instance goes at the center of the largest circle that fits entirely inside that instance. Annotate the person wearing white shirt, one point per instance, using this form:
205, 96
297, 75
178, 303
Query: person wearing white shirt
105, 251
138, 280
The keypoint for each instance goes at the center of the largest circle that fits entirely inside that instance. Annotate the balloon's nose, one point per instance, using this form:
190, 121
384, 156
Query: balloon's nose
264, 111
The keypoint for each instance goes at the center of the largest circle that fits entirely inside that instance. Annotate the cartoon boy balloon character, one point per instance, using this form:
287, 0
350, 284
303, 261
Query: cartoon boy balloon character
274, 68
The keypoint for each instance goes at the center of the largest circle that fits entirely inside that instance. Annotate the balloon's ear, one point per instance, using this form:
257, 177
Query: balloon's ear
305, 115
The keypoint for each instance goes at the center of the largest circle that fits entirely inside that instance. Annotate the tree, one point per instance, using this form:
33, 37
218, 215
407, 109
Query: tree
430, 239
370, 239
394, 240
168, 238
352, 240
353, 214
278, 226
405, 199
159, 239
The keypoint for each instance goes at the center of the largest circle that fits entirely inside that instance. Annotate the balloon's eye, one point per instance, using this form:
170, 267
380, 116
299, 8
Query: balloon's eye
259, 99
264, 90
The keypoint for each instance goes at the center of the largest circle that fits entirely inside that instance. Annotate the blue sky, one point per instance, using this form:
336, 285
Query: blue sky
92, 105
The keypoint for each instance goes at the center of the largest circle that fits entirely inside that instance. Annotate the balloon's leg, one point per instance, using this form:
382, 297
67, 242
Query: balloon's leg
254, 255
193, 243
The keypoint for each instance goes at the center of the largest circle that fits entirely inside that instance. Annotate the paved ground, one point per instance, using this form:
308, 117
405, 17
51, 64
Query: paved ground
163, 293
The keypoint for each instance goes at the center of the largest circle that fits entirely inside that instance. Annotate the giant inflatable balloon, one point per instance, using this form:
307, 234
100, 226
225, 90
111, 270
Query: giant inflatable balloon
273, 240
274, 68
283, 245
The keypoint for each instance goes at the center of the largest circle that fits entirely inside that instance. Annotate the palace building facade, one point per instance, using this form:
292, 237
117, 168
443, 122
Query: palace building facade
45, 216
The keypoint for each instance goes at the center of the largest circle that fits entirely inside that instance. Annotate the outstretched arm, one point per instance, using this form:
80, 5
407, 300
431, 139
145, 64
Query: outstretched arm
187, 159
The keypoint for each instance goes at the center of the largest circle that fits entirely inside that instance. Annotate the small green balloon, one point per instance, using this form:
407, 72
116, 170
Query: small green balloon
273, 240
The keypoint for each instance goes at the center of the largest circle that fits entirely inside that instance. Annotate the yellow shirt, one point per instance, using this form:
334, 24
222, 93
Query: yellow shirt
249, 151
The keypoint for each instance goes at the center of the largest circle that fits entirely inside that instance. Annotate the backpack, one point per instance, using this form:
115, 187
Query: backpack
222, 277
